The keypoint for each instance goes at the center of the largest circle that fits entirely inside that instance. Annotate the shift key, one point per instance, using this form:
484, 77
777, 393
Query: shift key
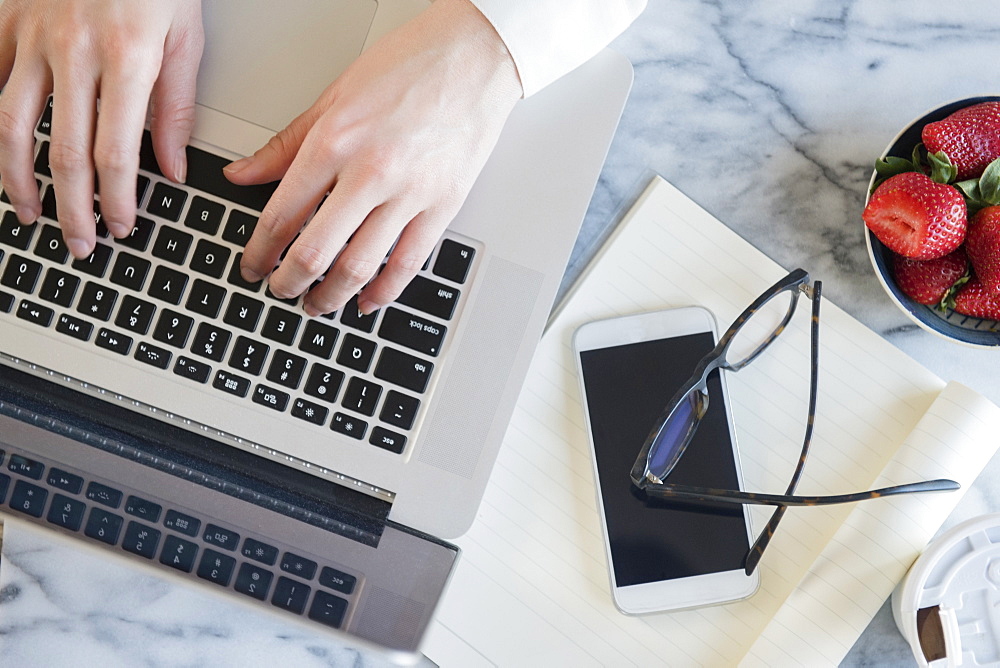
412, 331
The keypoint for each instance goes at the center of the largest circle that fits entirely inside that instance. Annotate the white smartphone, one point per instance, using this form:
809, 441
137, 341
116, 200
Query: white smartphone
662, 555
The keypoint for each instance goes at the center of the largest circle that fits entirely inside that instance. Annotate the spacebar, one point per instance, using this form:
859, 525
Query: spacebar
205, 173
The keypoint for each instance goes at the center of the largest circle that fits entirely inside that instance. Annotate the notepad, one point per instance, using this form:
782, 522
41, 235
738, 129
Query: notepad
533, 588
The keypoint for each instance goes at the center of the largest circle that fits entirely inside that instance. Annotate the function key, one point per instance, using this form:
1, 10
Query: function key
104, 526
6, 301
258, 551
182, 523
290, 595
70, 326
253, 581
270, 397
454, 260
26, 467
224, 538
192, 369
50, 244
310, 412
231, 383
298, 566
4, 483
349, 425
28, 499
143, 509
337, 580
388, 440
178, 553
166, 202
152, 355
141, 540
328, 609
239, 227
216, 567
113, 341
352, 317
67, 482
66, 512
14, 234
204, 215
172, 245
431, 297
35, 313
108, 496
412, 331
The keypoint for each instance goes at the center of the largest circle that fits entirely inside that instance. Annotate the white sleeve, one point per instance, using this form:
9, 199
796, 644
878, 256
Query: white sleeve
548, 38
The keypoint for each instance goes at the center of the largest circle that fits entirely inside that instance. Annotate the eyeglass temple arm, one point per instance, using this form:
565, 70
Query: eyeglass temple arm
687, 492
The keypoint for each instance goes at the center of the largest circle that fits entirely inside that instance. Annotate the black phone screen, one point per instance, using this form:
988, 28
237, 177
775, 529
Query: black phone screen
627, 388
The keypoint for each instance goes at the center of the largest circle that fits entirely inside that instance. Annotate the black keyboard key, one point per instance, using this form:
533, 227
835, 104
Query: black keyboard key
210, 342
328, 609
210, 259
172, 245
318, 339
45, 124
258, 551
6, 302
21, 274
67, 482
337, 580
286, 369
29, 468
205, 298
412, 331
59, 287
141, 186
130, 271
231, 383
14, 234
356, 353
114, 341
298, 566
310, 412
107, 496
388, 440
66, 512
352, 317
349, 425
324, 382
167, 285
143, 509
178, 553
404, 370
141, 540
236, 278
135, 315
96, 264
248, 356
221, 537
239, 227
191, 369
181, 523
431, 297
204, 215
173, 328
28, 499
291, 301
35, 313
454, 260
70, 326
152, 355
97, 301
138, 239
399, 410
243, 312
361, 396
167, 202
270, 397
216, 567
42, 160
280, 325
4, 484
290, 595
253, 581
50, 244
103, 526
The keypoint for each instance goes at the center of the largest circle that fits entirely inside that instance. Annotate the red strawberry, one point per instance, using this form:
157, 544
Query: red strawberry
916, 217
929, 281
975, 300
983, 244
970, 138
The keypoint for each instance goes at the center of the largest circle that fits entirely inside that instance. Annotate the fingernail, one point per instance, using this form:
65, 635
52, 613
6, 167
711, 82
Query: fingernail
311, 310
249, 275
238, 166
26, 214
366, 307
180, 165
78, 247
118, 230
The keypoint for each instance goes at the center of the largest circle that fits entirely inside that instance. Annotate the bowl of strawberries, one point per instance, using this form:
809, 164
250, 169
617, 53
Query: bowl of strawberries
933, 221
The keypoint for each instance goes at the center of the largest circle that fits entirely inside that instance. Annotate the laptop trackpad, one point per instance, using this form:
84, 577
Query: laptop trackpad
266, 62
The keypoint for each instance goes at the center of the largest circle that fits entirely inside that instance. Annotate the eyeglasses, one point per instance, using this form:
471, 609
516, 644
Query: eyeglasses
752, 332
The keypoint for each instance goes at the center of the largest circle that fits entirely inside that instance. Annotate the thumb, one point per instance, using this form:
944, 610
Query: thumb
272, 160
173, 101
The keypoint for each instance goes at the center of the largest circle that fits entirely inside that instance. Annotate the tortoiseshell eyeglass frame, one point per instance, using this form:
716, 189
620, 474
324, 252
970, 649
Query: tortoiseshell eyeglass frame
795, 283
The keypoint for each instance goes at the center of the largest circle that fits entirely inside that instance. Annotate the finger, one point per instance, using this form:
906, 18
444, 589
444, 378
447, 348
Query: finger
413, 248
7, 50
117, 143
74, 110
173, 101
272, 161
24, 98
358, 262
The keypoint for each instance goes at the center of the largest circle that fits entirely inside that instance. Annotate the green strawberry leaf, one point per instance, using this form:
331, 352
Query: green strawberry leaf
942, 171
891, 165
989, 184
948, 298
973, 197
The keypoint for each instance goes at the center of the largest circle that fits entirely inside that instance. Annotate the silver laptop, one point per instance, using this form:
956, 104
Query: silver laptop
155, 405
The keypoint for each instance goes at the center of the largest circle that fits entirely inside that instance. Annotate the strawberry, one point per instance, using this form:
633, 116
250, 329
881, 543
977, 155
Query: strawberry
916, 217
970, 138
983, 245
930, 281
975, 300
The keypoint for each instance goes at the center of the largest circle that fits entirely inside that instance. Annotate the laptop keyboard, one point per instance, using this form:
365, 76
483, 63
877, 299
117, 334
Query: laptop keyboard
171, 298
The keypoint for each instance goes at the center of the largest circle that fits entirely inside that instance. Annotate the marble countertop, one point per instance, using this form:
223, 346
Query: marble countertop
769, 115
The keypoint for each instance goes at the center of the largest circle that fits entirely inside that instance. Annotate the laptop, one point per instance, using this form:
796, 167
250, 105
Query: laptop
156, 406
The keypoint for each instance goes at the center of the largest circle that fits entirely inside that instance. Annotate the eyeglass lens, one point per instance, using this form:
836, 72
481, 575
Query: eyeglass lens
676, 431
759, 328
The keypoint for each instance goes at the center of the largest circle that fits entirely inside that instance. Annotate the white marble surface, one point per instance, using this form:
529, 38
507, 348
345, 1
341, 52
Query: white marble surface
769, 115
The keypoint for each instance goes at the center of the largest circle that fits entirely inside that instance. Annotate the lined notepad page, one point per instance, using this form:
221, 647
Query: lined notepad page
532, 586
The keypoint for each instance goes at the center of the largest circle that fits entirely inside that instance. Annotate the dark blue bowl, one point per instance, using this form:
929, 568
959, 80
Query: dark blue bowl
951, 325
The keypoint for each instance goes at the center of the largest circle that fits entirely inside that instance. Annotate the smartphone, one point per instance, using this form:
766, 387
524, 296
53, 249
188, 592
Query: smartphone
662, 555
